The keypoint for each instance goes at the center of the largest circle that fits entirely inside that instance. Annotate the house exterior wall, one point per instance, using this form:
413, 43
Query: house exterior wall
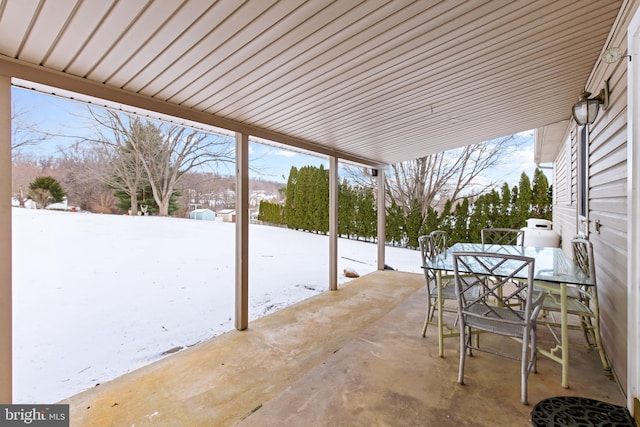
564, 211
607, 198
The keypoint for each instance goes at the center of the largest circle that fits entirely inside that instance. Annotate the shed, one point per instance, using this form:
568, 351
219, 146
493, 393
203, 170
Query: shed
228, 215
203, 214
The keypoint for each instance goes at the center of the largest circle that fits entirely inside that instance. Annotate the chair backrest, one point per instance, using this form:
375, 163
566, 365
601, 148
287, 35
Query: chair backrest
583, 257
438, 241
425, 248
491, 276
426, 252
502, 236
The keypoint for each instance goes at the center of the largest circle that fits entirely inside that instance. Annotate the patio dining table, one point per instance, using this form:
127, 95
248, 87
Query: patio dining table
552, 266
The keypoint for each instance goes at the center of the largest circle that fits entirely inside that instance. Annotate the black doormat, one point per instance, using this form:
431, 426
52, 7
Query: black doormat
580, 412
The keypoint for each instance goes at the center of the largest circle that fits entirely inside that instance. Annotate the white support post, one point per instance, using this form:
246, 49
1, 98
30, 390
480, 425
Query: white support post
633, 229
382, 221
6, 304
242, 231
333, 223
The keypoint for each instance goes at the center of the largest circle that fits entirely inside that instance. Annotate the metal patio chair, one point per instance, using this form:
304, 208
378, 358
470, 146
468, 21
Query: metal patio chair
431, 245
502, 236
582, 301
491, 312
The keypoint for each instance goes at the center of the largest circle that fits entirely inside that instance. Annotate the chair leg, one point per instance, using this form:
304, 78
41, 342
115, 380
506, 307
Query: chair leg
603, 357
596, 330
426, 323
533, 355
430, 310
463, 352
524, 369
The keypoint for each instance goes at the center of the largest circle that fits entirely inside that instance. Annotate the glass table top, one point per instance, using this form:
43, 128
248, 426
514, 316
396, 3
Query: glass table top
551, 264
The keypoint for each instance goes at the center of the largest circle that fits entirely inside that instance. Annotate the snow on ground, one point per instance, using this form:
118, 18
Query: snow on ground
96, 296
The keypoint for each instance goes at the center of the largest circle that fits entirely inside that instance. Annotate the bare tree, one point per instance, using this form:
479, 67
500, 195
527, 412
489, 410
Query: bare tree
199, 190
165, 152
110, 159
433, 179
24, 132
24, 170
88, 176
103, 201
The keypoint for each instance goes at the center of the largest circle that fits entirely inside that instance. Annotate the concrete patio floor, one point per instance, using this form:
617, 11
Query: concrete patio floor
354, 357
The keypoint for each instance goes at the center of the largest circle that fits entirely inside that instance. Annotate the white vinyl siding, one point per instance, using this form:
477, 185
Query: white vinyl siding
606, 204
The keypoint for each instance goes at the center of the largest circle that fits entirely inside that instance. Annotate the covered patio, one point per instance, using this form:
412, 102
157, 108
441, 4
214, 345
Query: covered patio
353, 357
371, 83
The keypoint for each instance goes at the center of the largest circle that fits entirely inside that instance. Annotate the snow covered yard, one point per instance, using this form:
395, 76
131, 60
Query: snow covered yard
96, 296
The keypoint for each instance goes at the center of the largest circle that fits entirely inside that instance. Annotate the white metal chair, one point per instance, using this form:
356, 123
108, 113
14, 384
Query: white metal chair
491, 311
582, 301
438, 241
502, 236
430, 246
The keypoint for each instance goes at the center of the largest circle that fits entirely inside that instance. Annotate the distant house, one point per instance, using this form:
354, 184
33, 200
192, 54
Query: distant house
227, 215
203, 214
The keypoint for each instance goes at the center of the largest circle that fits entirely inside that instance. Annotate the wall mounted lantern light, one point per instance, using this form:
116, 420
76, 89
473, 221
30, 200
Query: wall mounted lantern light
586, 109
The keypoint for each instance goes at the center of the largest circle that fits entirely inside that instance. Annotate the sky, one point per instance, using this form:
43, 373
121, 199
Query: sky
96, 296
61, 116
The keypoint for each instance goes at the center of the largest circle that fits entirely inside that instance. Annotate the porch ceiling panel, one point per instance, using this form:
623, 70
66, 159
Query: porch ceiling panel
384, 81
